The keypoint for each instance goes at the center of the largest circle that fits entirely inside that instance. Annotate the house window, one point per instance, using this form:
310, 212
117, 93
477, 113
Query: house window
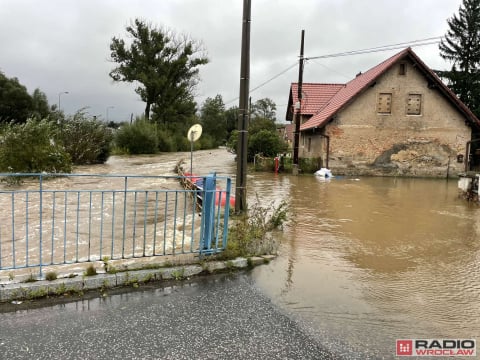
309, 144
414, 104
384, 104
402, 69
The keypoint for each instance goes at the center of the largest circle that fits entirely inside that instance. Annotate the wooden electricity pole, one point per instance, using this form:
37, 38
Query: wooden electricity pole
298, 107
243, 113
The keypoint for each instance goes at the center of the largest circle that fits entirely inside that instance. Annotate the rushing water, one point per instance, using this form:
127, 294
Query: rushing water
364, 261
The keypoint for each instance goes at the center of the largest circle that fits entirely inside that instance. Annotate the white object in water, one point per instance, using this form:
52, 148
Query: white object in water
324, 172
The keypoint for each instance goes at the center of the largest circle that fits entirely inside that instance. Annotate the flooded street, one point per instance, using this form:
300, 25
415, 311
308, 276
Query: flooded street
371, 260
364, 261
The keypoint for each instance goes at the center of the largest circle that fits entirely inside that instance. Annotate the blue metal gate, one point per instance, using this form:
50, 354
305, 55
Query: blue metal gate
53, 219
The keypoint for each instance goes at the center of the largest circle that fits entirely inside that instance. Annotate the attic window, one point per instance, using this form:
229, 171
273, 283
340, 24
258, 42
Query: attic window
414, 104
402, 69
384, 104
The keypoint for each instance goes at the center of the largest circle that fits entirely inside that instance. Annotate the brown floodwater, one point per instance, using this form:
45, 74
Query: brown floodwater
364, 261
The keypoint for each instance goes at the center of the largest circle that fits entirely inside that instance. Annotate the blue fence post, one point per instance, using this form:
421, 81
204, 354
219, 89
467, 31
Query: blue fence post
226, 214
208, 212
41, 225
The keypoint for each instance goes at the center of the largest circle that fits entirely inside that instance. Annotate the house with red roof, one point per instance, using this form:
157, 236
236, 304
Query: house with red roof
397, 118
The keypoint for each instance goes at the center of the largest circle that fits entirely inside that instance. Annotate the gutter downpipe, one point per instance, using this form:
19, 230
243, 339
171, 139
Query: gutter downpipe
328, 149
467, 157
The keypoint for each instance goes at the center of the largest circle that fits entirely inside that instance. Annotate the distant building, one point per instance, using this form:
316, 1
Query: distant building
398, 118
286, 133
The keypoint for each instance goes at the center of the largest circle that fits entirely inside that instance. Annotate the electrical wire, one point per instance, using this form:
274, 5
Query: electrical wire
413, 43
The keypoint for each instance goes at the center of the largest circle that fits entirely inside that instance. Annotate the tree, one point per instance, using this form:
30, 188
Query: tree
212, 116
231, 116
264, 108
15, 102
265, 142
41, 109
164, 64
461, 46
259, 124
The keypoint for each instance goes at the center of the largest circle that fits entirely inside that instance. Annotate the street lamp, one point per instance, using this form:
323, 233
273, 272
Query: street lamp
59, 95
109, 107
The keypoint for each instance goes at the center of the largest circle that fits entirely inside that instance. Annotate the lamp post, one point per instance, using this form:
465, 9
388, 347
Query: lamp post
109, 107
59, 95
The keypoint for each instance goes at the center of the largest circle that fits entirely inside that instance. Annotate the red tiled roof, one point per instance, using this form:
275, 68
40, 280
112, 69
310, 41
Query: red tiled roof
352, 88
347, 92
314, 96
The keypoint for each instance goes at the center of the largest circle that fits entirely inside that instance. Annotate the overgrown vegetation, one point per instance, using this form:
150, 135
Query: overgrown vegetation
37, 146
31, 148
90, 270
251, 234
86, 140
137, 138
51, 275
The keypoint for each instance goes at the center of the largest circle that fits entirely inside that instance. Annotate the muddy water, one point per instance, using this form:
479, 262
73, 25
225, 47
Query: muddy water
365, 261
372, 260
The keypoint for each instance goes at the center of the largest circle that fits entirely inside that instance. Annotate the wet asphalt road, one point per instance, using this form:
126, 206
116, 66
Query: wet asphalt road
218, 317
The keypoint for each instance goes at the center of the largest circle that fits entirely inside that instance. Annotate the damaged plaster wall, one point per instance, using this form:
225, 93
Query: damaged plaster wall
364, 142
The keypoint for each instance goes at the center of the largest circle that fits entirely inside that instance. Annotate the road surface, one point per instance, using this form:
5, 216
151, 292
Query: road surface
215, 317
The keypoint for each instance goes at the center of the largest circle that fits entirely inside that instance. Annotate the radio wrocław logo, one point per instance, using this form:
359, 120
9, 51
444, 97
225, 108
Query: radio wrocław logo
436, 347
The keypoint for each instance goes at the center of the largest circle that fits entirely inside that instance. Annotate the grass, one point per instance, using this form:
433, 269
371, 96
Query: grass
251, 234
90, 271
51, 275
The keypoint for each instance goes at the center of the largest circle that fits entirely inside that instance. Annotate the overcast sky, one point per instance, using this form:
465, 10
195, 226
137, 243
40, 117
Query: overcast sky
63, 45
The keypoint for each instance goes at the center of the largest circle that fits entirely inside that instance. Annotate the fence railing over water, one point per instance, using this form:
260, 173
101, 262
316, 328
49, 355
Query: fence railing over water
54, 219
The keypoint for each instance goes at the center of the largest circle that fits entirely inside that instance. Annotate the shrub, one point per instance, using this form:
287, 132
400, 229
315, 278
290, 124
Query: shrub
137, 138
86, 140
31, 148
309, 165
251, 235
267, 143
165, 142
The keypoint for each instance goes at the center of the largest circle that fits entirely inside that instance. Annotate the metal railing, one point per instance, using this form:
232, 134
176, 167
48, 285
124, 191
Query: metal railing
54, 219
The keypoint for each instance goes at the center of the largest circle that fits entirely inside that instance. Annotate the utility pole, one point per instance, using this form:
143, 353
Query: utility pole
298, 107
243, 113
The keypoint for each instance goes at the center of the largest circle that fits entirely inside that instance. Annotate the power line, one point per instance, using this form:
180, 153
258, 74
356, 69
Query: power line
267, 81
413, 43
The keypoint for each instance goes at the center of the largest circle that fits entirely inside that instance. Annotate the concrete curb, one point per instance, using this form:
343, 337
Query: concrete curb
17, 291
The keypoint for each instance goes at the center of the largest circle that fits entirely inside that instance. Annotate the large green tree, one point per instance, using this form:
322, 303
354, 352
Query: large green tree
264, 108
15, 102
164, 65
41, 109
213, 119
461, 46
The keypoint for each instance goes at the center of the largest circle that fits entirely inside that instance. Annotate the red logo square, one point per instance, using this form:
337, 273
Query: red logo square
404, 347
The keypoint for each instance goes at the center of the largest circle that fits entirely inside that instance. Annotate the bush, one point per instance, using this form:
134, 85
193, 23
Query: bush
86, 140
165, 143
267, 143
251, 234
137, 138
31, 148
309, 165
